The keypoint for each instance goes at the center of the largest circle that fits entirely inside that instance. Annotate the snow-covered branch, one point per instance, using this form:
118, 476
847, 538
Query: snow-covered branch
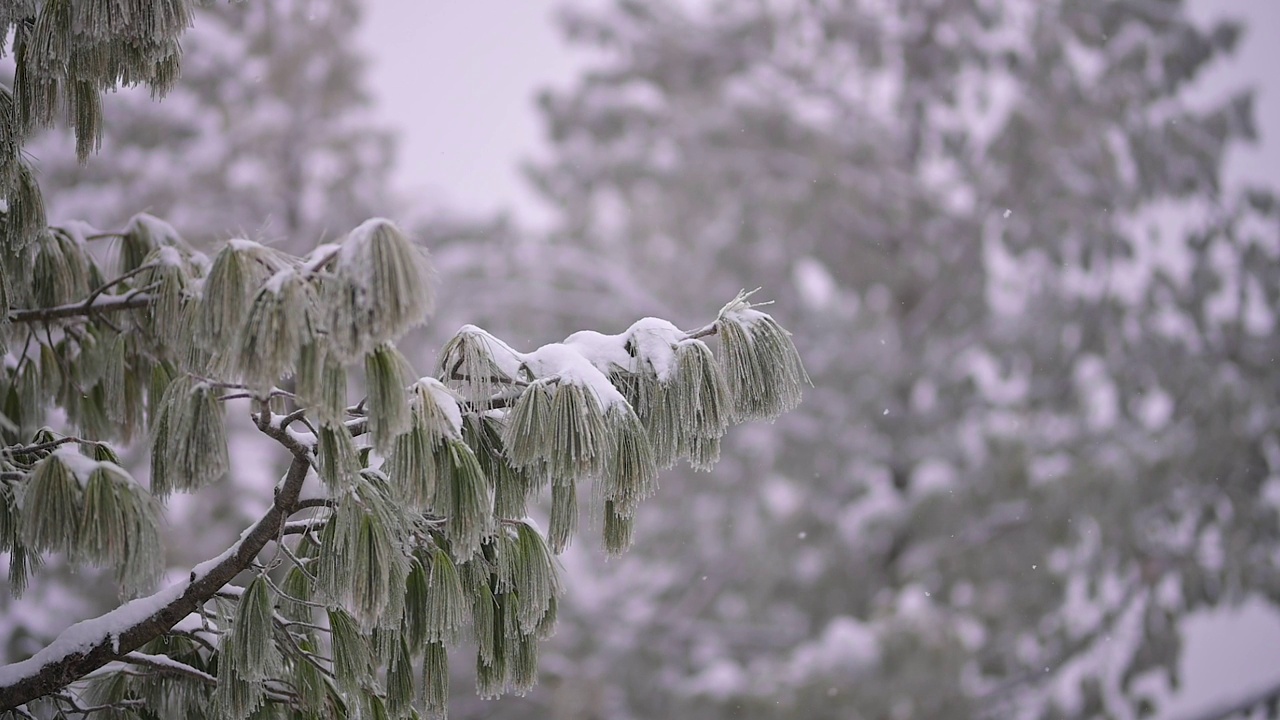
112, 637
166, 664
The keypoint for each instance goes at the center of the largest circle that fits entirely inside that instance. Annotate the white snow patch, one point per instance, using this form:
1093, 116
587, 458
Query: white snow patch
88, 634
846, 643
564, 362
814, 281
654, 340
606, 352
445, 399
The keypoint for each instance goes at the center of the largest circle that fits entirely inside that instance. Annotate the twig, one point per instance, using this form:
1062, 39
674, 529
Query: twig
113, 303
42, 447
167, 664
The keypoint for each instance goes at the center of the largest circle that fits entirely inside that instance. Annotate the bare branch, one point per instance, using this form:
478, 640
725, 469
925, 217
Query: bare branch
314, 503
42, 447
94, 306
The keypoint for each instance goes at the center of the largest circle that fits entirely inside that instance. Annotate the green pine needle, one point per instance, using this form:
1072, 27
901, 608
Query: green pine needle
239, 269
564, 515
412, 467
236, 698
252, 653
52, 507
535, 580
522, 664
619, 529
445, 610
463, 496
631, 475
478, 364
512, 487
337, 456
388, 375
273, 331
579, 441
400, 685
761, 366
529, 426
704, 404
435, 681
352, 656
60, 270
189, 447
382, 286
120, 528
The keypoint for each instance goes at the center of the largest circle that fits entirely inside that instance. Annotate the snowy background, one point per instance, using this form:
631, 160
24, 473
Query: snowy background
458, 81
822, 550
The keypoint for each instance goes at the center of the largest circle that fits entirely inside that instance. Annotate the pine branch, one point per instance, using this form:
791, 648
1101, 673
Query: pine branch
87, 646
93, 306
45, 446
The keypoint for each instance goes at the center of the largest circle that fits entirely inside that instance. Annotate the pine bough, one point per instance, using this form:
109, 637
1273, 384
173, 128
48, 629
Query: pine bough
418, 529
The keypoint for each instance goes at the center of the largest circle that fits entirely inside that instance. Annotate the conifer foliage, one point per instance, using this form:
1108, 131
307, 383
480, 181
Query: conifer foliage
415, 530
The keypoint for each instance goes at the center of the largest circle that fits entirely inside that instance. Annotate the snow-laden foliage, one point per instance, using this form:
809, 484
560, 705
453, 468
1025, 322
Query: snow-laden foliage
404, 517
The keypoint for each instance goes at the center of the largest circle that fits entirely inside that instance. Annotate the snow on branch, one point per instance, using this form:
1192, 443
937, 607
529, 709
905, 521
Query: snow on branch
92, 643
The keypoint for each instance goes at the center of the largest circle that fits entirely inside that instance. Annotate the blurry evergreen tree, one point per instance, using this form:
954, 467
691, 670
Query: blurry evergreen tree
1041, 332
270, 127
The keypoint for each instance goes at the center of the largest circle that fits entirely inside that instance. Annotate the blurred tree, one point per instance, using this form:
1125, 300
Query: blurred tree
270, 126
1042, 337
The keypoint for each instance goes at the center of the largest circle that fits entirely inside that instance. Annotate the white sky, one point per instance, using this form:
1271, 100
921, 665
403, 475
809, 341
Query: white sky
457, 79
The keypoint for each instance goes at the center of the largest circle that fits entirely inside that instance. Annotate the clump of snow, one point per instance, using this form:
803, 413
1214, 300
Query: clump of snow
445, 399
275, 283
79, 465
606, 352
243, 245
170, 257
78, 230
654, 340
507, 358
721, 679
567, 364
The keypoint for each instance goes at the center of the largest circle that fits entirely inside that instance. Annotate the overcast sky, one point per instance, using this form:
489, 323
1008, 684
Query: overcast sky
457, 80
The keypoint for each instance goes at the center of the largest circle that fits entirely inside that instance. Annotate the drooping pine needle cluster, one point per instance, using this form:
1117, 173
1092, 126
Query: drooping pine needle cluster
427, 484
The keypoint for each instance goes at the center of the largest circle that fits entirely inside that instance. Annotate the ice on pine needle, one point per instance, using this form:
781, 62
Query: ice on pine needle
381, 286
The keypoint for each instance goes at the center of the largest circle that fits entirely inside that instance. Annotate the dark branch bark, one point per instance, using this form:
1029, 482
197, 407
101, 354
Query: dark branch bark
61, 670
91, 307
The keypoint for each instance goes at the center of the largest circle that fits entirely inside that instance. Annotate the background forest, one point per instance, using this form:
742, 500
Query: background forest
1043, 436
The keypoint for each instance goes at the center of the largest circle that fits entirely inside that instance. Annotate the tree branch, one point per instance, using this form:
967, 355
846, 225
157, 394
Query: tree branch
92, 306
88, 645
168, 665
